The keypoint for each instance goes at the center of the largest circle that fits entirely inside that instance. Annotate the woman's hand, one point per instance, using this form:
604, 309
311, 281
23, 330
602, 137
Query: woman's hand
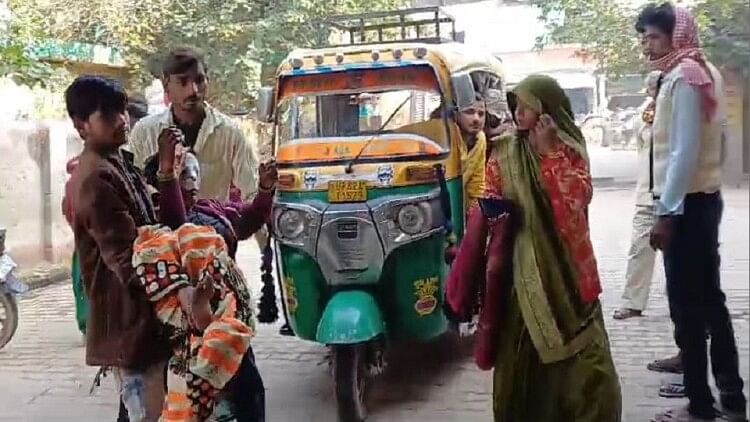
543, 136
169, 138
268, 175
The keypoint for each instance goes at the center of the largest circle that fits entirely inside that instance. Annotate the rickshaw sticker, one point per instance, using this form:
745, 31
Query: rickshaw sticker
342, 150
311, 179
385, 175
291, 296
425, 290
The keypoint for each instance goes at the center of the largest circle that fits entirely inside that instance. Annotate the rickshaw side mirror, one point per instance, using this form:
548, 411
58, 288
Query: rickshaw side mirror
264, 104
463, 88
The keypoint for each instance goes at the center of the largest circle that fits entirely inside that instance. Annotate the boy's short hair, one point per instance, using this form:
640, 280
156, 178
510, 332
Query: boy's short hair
181, 60
89, 94
660, 16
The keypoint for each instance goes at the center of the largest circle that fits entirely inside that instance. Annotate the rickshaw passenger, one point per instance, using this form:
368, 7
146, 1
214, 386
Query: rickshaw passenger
468, 136
473, 149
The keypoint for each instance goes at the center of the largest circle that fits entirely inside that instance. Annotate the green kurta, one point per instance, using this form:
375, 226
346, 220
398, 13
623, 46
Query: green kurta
81, 302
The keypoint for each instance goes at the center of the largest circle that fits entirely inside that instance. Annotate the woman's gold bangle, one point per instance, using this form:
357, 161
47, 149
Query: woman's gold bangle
165, 177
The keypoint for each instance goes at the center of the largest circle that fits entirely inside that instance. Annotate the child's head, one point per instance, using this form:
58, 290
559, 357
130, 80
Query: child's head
97, 107
187, 172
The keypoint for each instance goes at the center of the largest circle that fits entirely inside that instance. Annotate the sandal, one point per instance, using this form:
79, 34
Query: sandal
671, 365
286, 330
672, 390
626, 313
680, 415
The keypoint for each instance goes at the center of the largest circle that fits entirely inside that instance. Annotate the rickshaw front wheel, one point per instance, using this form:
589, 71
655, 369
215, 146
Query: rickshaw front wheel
349, 374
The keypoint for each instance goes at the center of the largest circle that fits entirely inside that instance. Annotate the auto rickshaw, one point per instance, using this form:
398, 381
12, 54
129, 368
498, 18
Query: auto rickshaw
370, 193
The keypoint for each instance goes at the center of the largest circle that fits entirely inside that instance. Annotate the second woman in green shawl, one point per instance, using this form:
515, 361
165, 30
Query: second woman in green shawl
554, 361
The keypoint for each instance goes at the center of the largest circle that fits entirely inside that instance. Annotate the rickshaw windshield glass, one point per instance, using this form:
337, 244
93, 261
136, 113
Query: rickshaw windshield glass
325, 115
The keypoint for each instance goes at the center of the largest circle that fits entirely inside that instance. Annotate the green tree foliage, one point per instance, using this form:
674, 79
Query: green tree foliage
15, 61
726, 32
237, 36
605, 30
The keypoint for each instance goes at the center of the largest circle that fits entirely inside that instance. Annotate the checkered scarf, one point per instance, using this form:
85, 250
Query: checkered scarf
688, 53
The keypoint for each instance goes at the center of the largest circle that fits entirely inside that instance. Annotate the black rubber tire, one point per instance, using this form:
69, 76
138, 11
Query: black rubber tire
9, 325
349, 378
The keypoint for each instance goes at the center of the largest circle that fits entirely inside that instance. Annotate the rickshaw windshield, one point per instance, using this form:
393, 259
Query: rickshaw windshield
354, 114
397, 114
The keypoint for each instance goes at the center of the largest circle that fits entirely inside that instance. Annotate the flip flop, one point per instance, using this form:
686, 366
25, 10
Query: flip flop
671, 365
626, 313
672, 390
680, 415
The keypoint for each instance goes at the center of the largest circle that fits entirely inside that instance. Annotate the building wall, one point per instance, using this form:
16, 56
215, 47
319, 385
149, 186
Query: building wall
554, 59
735, 152
33, 156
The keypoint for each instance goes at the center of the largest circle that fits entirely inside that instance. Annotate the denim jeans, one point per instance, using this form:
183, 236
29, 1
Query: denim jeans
142, 392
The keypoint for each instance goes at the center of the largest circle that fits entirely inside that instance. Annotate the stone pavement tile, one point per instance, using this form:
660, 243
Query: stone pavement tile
44, 377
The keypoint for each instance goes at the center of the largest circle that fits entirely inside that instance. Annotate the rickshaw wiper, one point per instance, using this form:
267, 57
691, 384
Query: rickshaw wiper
349, 167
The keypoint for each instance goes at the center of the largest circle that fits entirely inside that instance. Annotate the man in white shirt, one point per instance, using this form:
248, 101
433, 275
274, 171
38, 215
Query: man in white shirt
686, 185
224, 154
641, 256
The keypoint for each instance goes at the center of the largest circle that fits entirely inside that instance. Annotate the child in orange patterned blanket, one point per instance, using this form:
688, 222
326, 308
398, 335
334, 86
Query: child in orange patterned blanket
211, 340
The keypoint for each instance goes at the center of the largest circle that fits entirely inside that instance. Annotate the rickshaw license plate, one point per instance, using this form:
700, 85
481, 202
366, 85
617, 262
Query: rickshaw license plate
347, 191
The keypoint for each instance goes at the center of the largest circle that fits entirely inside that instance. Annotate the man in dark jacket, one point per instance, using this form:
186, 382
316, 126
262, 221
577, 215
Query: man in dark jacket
122, 330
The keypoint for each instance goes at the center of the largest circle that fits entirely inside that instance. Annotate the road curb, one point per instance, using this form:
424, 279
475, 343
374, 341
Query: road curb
43, 277
611, 182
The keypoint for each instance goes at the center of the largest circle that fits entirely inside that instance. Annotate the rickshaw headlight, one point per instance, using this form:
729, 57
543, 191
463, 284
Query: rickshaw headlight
291, 224
411, 219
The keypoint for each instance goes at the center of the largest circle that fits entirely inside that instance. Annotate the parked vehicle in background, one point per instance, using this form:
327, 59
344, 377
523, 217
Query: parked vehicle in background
10, 286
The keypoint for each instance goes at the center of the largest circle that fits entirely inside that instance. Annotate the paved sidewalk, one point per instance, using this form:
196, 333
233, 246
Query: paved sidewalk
44, 378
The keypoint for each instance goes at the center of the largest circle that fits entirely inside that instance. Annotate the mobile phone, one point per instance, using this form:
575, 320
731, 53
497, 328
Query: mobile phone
493, 208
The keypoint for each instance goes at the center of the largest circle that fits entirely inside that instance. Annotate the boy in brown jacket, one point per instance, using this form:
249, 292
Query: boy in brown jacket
112, 202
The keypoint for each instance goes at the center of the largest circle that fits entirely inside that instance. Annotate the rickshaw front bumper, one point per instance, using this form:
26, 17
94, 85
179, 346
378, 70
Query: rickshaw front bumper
351, 241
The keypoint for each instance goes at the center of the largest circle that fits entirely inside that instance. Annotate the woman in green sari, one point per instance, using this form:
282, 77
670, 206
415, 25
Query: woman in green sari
553, 356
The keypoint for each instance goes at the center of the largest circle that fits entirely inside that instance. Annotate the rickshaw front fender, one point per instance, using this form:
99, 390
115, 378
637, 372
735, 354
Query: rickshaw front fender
350, 317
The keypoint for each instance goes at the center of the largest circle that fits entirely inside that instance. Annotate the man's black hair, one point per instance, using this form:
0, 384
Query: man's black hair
182, 60
660, 16
89, 94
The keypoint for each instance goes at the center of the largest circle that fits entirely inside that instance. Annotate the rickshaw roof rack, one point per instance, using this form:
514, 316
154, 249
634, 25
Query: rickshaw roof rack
427, 25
